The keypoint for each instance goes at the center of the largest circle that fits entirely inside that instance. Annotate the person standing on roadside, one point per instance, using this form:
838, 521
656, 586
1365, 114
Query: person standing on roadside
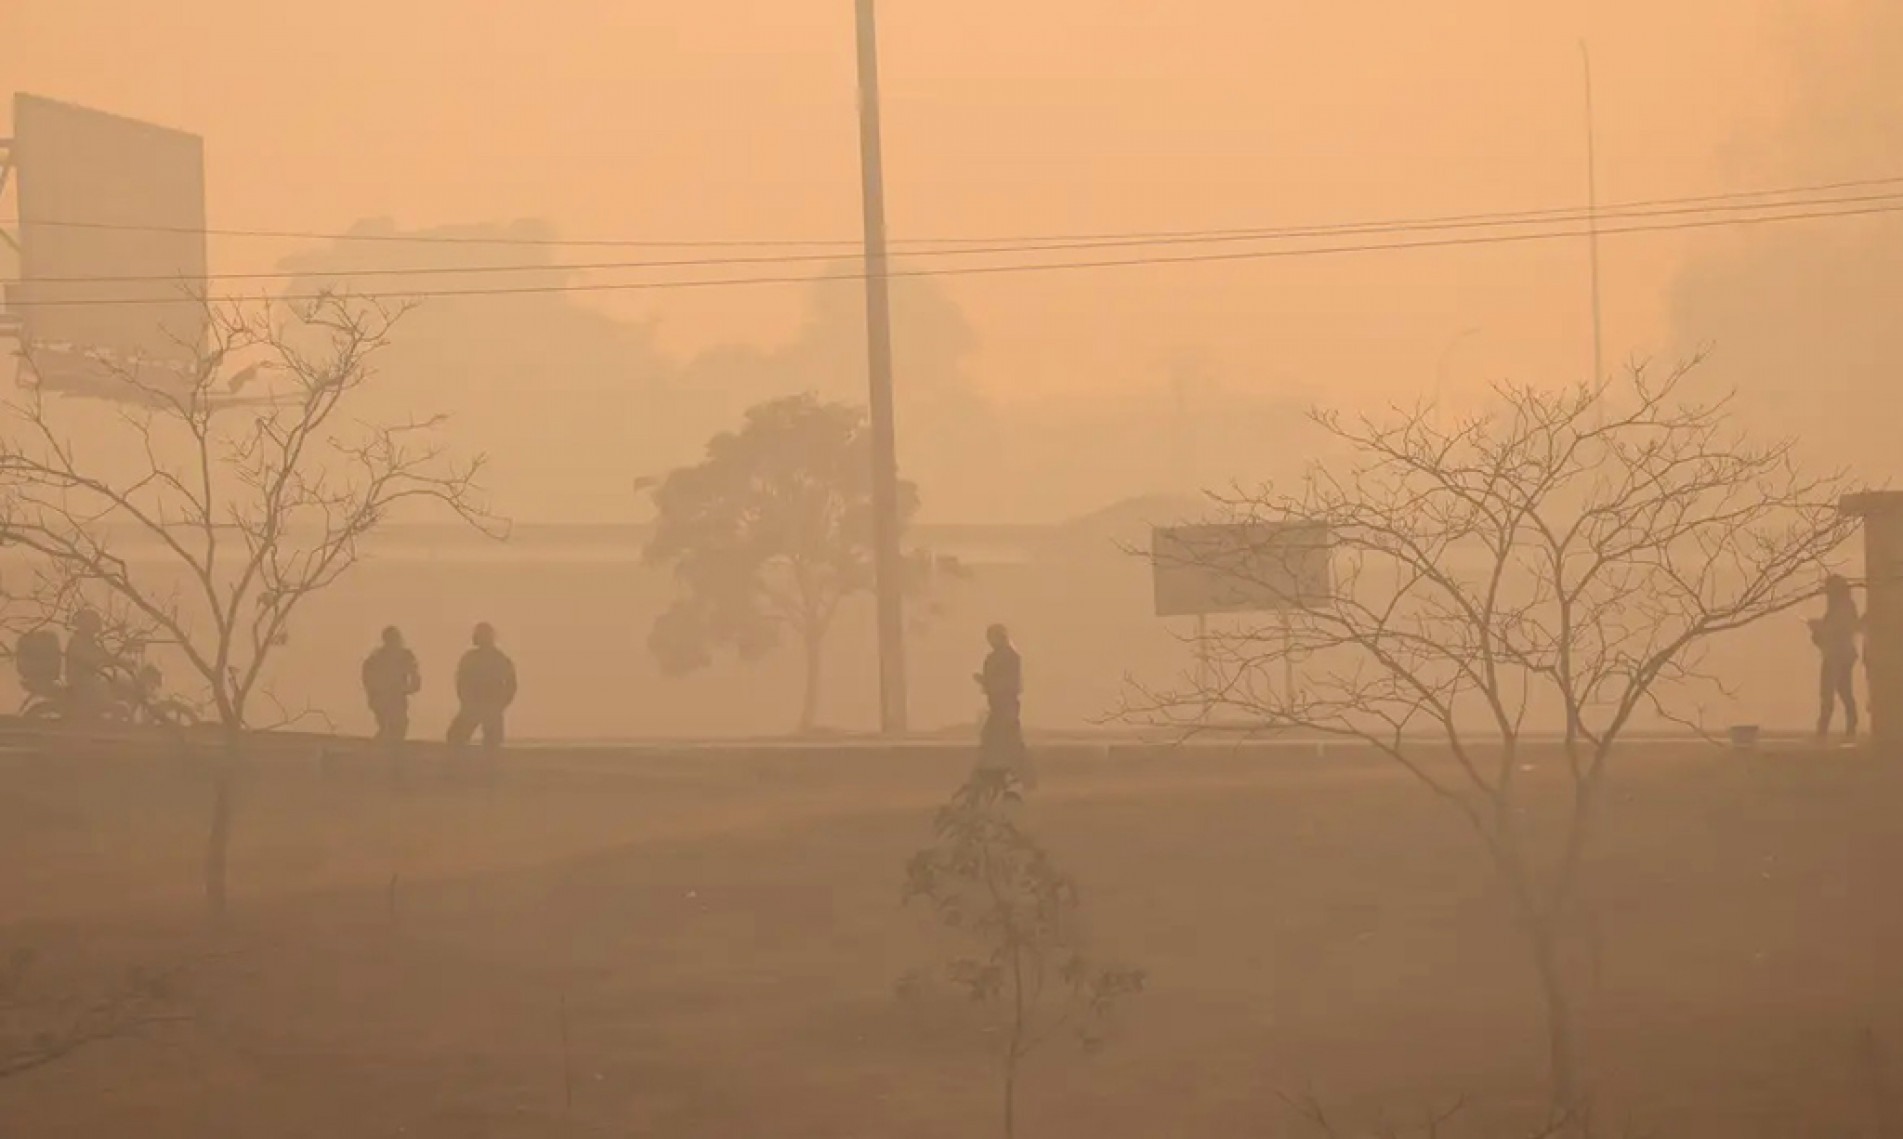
485, 687
390, 677
1001, 740
1835, 635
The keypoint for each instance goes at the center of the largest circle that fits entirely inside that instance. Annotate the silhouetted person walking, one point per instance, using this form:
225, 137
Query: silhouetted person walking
485, 687
390, 677
1835, 635
1001, 740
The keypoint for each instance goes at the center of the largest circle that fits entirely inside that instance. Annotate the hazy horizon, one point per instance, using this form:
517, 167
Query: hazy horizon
733, 120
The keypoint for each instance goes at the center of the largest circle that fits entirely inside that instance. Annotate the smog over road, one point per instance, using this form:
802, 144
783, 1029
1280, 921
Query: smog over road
858, 569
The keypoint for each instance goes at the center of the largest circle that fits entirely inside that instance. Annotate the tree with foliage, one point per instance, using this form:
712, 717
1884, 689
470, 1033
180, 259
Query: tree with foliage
768, 534
991, 882
243, 507
1570, 555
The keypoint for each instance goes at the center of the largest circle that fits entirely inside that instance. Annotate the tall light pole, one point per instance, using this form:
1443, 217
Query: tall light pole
887, 560
1440, 367
1592, 216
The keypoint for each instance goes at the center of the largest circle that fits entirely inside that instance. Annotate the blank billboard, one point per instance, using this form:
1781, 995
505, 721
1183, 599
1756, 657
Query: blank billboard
112, 220
1250, 567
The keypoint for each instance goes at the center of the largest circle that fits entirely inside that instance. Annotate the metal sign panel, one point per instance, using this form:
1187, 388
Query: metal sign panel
112, 245
1251, 567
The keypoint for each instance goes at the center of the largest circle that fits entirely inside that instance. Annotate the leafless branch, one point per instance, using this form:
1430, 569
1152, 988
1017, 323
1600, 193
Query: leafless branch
250, 508
1570, 555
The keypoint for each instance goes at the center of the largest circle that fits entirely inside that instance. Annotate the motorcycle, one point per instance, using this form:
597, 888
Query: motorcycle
129, 693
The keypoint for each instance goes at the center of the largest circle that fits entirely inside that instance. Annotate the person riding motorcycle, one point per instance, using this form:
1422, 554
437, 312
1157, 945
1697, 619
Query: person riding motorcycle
90, 668
84, 680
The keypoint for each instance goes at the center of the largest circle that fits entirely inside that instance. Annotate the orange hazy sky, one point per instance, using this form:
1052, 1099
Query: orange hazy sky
735, 119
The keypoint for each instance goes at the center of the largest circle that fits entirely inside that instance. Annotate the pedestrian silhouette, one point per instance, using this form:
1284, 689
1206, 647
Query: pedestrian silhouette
1001, 740
485, 687
390, 677
1835, 635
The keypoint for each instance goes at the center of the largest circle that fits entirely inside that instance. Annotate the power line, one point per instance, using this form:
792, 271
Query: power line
1010, 268
1546, 214
1108, 242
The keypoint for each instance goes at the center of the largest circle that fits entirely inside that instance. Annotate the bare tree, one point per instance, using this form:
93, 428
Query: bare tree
207, 519
1571, 555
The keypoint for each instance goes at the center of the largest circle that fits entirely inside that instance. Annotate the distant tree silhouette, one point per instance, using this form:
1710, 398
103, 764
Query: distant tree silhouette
769, 533
1573, 554
243, 509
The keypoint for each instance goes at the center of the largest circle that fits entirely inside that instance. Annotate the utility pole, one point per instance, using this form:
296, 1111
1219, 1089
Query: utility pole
887, 560
1440, 369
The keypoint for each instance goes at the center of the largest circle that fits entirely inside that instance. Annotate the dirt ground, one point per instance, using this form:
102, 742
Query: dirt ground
690, 947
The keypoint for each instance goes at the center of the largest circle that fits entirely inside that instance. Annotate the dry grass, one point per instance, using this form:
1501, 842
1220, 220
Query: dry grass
726, 938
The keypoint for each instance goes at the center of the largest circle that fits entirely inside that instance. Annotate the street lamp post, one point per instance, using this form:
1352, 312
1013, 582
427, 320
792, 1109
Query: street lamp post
887, 560
1440, 367
1592, 219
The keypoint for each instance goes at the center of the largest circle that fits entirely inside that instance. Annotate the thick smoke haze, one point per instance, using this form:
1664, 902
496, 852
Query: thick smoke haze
621, 404
1302, 702
734, 119
1802, 319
